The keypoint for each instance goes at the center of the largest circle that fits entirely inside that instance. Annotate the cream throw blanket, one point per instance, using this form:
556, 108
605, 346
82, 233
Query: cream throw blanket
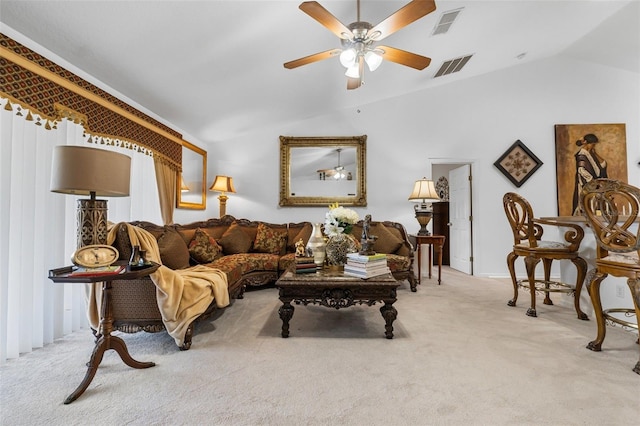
182, 295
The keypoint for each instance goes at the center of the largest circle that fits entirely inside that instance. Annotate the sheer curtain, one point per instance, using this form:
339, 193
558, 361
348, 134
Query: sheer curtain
38, 229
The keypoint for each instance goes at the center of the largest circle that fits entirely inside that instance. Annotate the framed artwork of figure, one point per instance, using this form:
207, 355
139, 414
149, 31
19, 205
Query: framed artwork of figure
585, 152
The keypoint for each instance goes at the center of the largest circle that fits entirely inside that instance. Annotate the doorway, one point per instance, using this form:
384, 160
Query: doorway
457, 174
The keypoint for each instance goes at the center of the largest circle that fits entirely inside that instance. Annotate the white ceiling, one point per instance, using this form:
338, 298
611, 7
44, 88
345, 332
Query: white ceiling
213, 69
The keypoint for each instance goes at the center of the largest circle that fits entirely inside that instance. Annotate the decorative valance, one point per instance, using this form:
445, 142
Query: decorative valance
40, 85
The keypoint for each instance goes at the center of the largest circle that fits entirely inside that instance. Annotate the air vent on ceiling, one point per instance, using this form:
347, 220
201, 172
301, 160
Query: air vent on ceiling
453, 65
446, 20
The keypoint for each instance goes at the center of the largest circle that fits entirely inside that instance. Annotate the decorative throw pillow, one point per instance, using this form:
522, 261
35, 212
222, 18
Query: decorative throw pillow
304, 235
387, 241
174, 253
203, 248
268, 240
235, 240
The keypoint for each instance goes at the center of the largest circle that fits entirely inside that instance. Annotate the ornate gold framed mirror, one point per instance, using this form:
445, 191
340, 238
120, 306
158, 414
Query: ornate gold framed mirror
317, 171
191, 187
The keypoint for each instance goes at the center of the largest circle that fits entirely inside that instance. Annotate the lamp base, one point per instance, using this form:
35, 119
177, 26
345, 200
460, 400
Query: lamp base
423, 217
92, 222
223, 204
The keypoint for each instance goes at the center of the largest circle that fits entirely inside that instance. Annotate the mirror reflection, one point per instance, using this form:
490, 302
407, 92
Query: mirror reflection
320, 171
191, 186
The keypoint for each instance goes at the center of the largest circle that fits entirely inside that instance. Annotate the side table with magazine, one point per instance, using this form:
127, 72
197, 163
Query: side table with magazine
105, 341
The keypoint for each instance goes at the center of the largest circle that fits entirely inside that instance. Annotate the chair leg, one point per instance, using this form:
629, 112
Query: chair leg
581, 266
594, 292
634, 286
511, 260
530, 263
547, 280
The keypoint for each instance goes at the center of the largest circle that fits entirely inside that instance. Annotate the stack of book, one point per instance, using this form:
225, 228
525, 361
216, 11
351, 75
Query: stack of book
305, 265
363, 266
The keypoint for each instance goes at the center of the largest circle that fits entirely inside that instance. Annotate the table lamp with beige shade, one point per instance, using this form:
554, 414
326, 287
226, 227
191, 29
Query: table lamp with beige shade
223, 184
95, 172
425, 193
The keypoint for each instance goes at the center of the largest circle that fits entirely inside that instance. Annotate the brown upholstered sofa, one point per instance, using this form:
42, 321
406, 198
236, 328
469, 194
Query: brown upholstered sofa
250, 253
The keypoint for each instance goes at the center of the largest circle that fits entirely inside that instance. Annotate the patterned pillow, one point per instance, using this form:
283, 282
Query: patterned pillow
268, 240
235, 240
203, 248
174, 253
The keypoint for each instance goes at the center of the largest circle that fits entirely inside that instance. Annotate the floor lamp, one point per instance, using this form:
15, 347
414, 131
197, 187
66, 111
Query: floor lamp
424, 191
223, 184
95, 172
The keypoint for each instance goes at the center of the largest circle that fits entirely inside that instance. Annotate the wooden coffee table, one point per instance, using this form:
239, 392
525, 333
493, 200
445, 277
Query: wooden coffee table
335, 290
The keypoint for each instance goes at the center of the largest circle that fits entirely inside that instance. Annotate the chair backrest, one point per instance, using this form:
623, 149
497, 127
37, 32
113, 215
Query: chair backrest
611, 209
520, 216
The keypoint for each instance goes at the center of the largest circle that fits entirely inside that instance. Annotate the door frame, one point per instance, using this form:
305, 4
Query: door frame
461, 162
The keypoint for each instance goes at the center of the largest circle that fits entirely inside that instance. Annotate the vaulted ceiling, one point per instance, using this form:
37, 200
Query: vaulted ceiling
214, 69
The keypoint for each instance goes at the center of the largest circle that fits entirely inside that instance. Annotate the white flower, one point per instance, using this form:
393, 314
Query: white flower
339, 220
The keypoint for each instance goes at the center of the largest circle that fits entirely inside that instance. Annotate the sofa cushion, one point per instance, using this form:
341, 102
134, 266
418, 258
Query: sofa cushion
398, 263
203, 248
387, 242
269, 240
235, 240
298, 232
174, 252
247, 262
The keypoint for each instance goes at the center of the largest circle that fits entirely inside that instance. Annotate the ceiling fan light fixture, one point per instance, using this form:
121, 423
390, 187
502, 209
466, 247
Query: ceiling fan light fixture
373, 60
348, 57
353, 71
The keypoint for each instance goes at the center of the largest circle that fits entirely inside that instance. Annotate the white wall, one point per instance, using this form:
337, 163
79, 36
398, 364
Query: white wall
475, 119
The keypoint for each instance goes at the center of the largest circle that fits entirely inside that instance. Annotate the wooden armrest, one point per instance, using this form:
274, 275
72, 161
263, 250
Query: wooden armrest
573, 236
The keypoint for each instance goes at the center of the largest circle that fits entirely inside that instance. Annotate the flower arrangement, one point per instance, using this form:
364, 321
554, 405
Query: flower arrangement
339, 220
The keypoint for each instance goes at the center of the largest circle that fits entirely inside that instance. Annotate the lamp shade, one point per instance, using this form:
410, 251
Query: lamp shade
424, 191
83, 171
183, 186
223, 184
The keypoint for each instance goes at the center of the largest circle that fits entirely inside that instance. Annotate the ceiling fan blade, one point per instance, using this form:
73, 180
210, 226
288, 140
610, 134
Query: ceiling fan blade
354, 83
403, 57
312, 58
401, 18
322, 15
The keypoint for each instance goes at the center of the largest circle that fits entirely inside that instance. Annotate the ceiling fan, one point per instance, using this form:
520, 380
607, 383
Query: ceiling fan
358, 40
338, 172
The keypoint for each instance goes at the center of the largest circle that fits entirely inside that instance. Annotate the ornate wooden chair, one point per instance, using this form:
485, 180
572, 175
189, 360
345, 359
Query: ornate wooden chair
528, 242
611, 209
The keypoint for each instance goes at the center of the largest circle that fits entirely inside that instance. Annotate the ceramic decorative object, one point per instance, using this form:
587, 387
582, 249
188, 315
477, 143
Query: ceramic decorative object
316, 245
95, 256
338, 224
337, 248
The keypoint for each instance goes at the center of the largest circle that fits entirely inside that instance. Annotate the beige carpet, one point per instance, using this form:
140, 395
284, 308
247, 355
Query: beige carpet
460, 356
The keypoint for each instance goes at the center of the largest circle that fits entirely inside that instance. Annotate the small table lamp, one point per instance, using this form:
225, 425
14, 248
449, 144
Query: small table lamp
424, 191
223, 184
95, 172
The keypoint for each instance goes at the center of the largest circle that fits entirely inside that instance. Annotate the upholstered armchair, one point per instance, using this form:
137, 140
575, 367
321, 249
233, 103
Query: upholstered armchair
528, 242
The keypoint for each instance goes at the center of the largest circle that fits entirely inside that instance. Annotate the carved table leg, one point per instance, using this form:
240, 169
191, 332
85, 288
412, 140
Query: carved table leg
389, 313
105, 342
286, 313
